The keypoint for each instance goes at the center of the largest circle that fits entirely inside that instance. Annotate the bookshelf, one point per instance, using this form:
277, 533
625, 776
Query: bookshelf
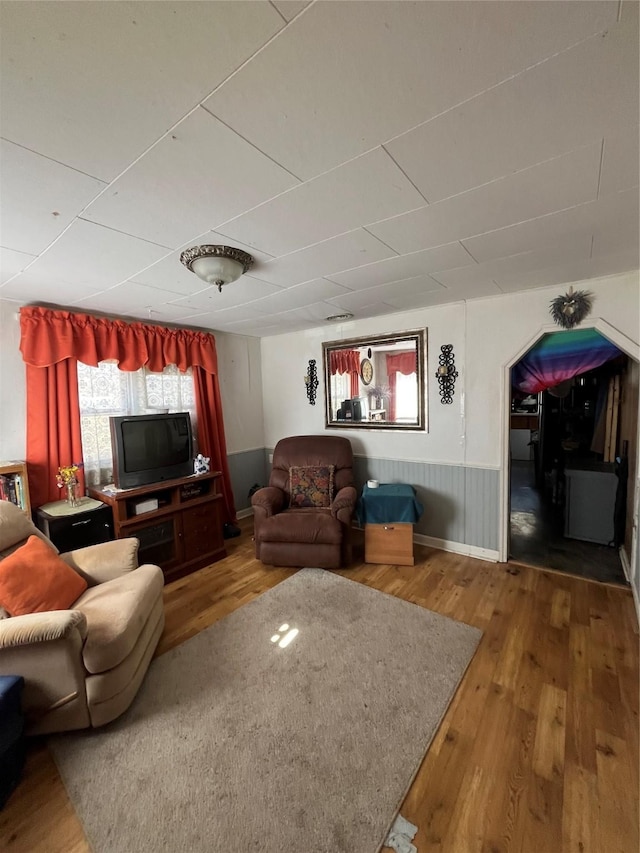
14, 484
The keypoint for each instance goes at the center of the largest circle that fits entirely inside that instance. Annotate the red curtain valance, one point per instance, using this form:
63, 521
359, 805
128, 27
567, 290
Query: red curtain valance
402, 362
344, 361
49, 337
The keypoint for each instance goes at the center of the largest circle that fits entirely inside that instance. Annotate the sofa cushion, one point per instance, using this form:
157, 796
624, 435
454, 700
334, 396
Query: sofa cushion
34, 580
311, 485
308, 526
116, 612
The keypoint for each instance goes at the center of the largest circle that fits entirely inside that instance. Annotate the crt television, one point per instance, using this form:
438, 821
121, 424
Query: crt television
150, 448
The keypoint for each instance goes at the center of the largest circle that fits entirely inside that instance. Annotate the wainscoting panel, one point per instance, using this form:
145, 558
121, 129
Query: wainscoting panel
460, 503
246, 468
482, 505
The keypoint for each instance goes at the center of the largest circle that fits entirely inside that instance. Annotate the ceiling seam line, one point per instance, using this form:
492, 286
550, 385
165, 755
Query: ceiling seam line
503, 82
256, 52
393, 160
53, 160
254, 146
600, 164
380, 240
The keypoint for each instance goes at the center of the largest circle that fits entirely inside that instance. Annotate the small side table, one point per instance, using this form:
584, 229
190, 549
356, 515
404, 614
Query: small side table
89, 523
388, 514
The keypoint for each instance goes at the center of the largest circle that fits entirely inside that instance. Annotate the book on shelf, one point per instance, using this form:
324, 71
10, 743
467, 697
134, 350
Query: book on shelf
12, 489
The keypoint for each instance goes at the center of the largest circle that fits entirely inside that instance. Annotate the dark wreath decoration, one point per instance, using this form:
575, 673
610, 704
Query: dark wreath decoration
571, 309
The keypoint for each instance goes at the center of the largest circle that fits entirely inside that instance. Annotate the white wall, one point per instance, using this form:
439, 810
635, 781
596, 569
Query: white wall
287, 411
485, 333
12, 385
240, 377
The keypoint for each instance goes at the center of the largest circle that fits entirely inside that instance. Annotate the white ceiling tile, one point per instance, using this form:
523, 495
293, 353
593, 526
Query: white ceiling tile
390, 294
324, 259
404, 266
290, 8
579, 270
487, 87
245, 289
93, 85
38, 198
196, 177
619, 229
85, 259
576, 97
620, 162
617, 212
560, 183
475, 290
500, 268
373, 70
240, 312
12, 262
357, 300
298, 296
170, 274
128, 296
369, 188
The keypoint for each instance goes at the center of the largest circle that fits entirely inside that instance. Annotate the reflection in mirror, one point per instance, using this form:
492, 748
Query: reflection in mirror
376, 382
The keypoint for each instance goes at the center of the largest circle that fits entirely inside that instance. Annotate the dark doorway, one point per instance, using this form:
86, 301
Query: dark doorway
567, 473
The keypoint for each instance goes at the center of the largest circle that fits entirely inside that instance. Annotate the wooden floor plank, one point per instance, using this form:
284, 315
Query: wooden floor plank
538, 752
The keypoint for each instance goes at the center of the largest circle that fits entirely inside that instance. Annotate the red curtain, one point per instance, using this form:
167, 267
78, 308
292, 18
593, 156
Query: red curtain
52, 343
401, 362
347, 361
53, 427
344, 361
211, 436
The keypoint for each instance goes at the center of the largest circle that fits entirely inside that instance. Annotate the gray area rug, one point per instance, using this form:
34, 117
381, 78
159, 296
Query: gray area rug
236, 744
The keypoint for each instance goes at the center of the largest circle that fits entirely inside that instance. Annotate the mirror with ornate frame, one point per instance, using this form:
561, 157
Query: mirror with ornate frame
376, 382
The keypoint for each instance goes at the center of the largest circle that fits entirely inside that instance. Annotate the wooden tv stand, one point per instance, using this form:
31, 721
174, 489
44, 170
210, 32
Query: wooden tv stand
178, 522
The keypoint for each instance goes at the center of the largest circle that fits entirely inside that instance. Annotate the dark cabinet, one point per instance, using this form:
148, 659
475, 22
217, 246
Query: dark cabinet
76, 528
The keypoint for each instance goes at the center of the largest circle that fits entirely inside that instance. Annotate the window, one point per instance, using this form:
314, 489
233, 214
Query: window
105, 391
406, 397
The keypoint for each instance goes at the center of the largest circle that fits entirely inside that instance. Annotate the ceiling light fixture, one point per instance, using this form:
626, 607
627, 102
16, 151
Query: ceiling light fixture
339, 317
217, 264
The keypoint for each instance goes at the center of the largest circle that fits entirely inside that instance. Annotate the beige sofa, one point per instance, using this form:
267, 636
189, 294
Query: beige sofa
83, 666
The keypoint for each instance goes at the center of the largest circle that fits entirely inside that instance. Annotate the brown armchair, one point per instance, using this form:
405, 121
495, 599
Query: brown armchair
306, 536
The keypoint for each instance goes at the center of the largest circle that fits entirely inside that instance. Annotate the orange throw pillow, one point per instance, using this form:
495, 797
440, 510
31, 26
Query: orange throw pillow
34, 579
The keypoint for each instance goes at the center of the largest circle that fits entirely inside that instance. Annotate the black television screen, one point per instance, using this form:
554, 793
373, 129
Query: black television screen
151, 448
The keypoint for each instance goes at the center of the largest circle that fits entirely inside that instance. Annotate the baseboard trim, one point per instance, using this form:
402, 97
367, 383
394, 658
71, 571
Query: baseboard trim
626, 568
457, 548
244, 513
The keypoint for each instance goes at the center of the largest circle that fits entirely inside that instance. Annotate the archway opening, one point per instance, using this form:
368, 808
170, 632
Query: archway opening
572, 455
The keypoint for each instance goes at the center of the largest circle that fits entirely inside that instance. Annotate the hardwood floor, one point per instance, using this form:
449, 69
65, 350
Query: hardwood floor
538, 751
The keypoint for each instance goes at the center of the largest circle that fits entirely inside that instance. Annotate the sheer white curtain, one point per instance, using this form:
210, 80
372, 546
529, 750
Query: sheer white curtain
105, 391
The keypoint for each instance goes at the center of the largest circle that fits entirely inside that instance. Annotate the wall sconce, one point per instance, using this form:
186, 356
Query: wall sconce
311, 381
446, 374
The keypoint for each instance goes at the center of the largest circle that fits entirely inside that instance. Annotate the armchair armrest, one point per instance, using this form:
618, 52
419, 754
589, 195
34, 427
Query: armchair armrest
103, 562
41, 628
268, 501
344, 504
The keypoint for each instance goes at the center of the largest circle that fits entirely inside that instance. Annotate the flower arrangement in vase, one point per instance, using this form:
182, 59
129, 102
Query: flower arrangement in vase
67, 476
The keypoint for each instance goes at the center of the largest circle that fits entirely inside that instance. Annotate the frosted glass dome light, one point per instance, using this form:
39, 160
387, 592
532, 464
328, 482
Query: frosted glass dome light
217, 265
